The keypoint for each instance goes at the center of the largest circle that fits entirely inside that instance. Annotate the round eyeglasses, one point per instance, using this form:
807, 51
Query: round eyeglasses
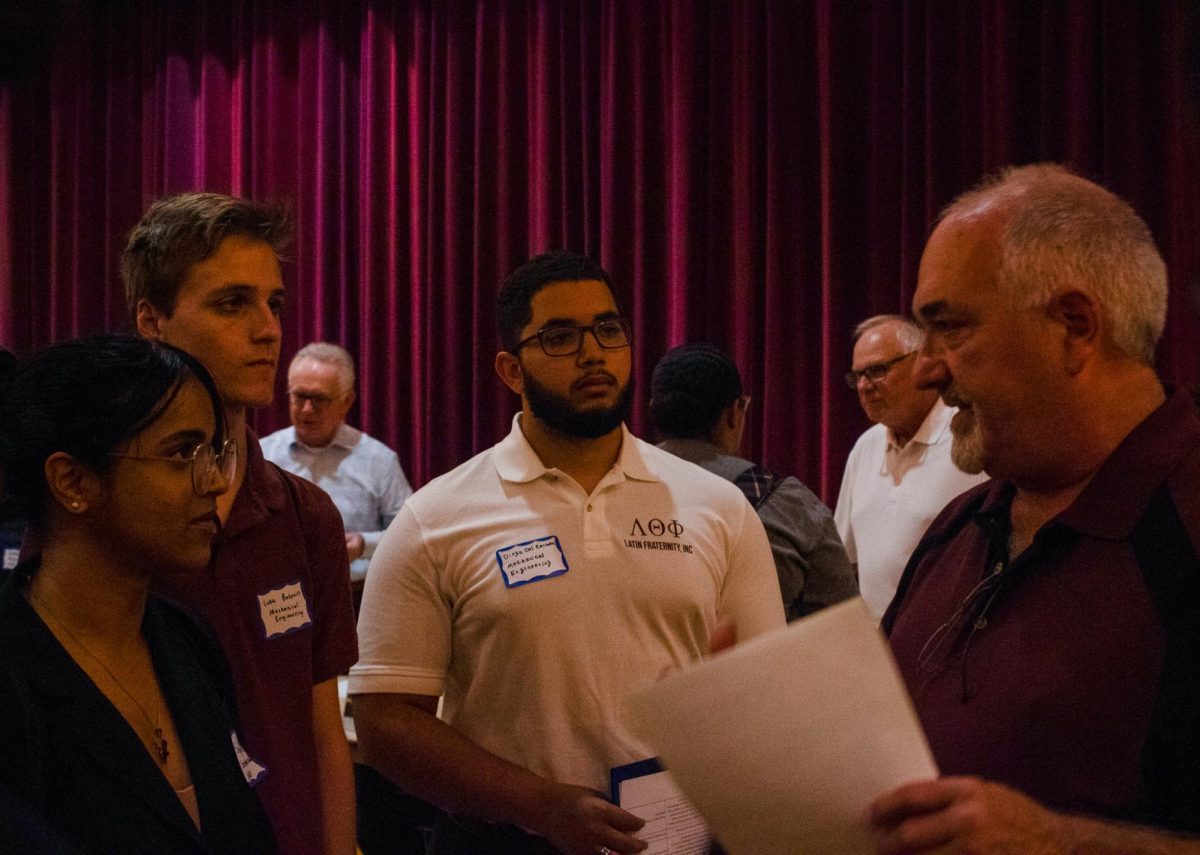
209, 467
567, 339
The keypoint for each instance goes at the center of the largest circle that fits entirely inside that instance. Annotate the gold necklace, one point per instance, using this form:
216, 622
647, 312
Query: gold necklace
160, 741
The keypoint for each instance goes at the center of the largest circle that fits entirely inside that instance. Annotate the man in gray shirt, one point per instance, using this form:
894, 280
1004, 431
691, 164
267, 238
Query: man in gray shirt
361, 474
698, 409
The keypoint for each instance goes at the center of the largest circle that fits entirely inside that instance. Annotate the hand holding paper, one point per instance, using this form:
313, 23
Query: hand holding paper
784, 741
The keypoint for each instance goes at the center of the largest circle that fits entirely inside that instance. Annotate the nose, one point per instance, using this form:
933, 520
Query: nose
929, 370
266, 325
589, 349
864, 384
218, 483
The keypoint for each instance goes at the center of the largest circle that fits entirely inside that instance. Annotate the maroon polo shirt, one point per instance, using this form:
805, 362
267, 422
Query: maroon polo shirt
277, 595
1072, 673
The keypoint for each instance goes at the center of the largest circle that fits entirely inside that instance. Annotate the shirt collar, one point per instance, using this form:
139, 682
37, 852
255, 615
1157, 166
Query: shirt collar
517, 461
344, 437
262, 494
934, 426
1116, 498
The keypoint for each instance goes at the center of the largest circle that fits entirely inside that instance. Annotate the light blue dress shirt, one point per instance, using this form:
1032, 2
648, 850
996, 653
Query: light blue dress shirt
360, 473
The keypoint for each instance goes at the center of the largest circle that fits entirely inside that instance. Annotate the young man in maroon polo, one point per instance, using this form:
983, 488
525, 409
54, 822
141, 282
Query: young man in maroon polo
201, 272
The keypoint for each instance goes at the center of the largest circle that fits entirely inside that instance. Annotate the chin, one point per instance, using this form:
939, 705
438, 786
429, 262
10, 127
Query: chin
968, 453
185, 565
254, 398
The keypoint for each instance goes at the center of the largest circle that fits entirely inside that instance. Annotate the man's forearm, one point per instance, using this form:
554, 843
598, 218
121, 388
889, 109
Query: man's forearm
1086, 836
429, 759
335, 771
370, 541
401, 736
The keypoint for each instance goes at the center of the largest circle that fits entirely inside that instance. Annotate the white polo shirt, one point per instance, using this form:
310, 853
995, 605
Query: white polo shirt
536, 608
889, 497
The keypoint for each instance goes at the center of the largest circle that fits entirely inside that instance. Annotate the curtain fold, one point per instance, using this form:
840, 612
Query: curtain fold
756, 174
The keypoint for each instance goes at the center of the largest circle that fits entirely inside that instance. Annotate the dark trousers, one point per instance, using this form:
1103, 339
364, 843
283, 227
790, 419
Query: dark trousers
458, 836
390, 822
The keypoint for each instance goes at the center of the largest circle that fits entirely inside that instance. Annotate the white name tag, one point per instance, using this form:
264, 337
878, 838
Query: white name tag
531, 561
11, 558
283, 610
252, 770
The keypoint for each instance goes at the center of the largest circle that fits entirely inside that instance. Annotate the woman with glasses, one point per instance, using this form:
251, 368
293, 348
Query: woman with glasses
115, 729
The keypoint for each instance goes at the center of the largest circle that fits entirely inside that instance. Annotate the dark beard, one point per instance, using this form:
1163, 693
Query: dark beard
556, 412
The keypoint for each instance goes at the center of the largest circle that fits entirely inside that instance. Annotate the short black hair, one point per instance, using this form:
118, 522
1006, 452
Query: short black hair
514, 303
691, 386
85, 397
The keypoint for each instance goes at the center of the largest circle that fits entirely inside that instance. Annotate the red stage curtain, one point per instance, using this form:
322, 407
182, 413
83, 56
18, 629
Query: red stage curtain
760, 175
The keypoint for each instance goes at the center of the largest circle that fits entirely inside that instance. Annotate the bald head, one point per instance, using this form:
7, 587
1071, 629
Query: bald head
884, 351
1042, 297
1059, 232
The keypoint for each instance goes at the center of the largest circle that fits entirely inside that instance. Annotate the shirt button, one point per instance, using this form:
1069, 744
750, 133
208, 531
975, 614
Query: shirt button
589, 507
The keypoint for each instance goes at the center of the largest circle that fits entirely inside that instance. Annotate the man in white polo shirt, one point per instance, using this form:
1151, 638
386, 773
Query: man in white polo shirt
540, 582
899, 474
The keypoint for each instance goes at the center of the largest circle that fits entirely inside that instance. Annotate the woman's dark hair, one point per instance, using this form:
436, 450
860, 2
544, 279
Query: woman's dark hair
85, 398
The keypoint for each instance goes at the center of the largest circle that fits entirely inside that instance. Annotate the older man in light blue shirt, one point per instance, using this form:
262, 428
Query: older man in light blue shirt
360, 473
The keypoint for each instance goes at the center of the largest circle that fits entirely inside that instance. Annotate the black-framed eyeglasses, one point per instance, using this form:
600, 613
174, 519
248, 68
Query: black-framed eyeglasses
207, 464
875, 373
318, 402
567, 339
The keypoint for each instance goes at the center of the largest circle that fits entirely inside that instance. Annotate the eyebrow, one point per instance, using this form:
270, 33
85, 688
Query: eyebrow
242, 289
570, 322
193, 435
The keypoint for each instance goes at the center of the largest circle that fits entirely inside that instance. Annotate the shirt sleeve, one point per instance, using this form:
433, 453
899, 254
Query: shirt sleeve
750, 591
813, 569
335, 644
842, 513
394, 492
404, 620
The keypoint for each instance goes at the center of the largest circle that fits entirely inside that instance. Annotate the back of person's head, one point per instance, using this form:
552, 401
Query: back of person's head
85, 398
329, 354
180, 231
514, 303
690, 388
1062, 231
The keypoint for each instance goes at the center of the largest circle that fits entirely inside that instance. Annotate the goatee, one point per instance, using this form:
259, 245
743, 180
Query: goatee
556, 412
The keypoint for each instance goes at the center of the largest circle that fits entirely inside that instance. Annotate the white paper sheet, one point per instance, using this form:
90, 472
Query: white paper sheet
784, 741
673, 826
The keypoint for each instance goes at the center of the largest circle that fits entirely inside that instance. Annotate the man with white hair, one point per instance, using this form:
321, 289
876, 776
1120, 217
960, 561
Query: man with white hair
899, 474
360, 473
1048, 624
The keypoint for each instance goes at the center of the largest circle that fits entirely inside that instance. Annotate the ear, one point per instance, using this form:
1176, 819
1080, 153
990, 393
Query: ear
70, 483
1081, 319
732, 415
350, 398
149, 321
509, 368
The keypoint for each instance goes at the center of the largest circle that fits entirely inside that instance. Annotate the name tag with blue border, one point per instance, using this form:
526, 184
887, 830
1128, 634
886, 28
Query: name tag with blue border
252, 770
531, 561
283, 610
